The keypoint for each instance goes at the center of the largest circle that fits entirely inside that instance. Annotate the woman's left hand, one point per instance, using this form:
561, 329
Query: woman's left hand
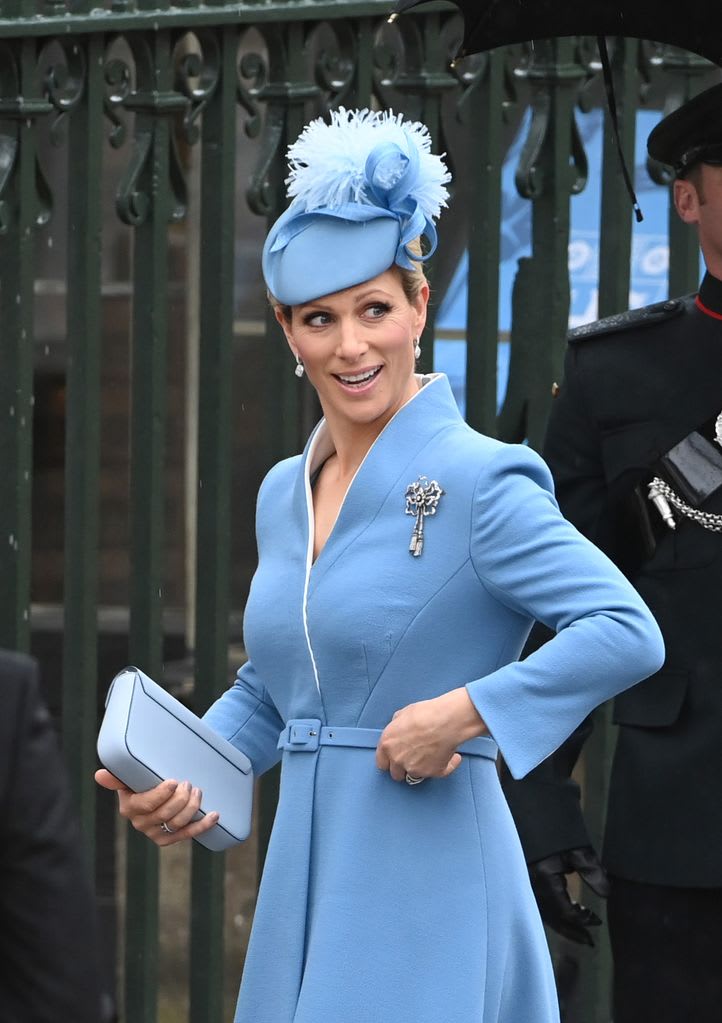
422, 738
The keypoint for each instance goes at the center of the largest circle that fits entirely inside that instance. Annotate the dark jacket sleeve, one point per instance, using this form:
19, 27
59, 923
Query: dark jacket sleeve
546, 803
573, 452
49, 962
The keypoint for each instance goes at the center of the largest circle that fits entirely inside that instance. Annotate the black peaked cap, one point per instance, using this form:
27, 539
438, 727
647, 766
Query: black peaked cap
690, 133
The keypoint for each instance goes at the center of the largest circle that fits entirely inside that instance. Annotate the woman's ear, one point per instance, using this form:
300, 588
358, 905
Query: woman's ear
286, 328
420, 304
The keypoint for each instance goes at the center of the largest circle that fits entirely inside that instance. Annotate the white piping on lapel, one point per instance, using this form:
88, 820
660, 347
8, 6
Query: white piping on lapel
319, 449
314, 457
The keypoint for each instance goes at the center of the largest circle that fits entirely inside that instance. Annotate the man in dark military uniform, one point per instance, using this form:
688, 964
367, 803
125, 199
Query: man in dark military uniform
635, 445
49, 957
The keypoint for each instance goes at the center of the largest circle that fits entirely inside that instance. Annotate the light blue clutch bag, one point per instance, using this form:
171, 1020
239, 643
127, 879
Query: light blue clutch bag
147, 736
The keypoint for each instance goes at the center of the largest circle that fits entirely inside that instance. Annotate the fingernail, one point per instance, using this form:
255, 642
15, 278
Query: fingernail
196, 793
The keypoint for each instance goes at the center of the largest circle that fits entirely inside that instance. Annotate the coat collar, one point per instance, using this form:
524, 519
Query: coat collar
384, 469
709, 299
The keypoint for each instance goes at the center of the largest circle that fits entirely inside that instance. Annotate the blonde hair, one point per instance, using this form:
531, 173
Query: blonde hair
412, 281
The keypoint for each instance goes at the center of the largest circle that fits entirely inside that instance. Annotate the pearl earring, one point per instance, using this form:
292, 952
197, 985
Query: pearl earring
299, 368
417, 349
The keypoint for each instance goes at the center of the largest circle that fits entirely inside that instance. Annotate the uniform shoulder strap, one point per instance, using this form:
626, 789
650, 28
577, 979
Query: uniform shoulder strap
633, 319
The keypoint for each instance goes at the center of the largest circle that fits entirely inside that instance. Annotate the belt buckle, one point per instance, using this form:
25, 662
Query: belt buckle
301, 735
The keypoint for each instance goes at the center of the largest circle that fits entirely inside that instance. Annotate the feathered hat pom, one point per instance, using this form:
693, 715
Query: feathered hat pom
363, 189
367, 157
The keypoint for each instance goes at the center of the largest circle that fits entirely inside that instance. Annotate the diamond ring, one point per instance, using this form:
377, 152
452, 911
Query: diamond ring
166, 828
413, 780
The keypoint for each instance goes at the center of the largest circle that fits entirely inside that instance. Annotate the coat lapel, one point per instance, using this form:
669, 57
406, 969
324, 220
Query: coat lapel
384, 473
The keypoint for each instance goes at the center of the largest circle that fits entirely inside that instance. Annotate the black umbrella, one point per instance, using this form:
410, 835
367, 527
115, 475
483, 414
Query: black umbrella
491, 23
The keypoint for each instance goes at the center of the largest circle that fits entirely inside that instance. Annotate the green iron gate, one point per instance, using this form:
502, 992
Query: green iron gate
180, 91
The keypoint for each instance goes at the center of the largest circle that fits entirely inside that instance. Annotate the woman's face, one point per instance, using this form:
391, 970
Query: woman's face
357, 347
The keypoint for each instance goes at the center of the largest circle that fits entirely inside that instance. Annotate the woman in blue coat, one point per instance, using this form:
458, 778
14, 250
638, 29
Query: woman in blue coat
402, 560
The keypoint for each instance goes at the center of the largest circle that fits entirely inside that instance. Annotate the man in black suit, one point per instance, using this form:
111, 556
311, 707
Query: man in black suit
49, 964
634, 443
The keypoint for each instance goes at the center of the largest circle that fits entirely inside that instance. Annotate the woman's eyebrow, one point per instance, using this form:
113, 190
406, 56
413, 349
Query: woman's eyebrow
321, 306
316, 306
373, 293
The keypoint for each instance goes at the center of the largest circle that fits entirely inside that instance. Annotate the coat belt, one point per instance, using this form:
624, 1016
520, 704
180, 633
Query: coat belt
305, 735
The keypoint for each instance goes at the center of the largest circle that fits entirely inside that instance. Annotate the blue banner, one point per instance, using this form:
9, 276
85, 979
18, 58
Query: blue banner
649, 258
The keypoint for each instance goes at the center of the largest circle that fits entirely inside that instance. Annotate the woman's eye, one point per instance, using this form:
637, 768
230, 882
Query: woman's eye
317, 319
377, 310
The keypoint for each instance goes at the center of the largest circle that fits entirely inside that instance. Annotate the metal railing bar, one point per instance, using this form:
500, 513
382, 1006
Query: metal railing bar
17, 263
485, 157
615, 236
217, 229
82, 448
149, 205
159, 18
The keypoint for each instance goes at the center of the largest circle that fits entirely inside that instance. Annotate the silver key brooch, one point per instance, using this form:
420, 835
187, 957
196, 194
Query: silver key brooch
422, 499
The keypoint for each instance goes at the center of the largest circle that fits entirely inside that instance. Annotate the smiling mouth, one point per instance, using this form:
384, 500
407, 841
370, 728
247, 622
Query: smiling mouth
358, 379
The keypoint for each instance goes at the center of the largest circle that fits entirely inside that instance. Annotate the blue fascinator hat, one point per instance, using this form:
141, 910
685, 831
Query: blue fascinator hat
363, 188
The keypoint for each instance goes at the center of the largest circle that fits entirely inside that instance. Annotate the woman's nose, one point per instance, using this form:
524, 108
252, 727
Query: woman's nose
350, 343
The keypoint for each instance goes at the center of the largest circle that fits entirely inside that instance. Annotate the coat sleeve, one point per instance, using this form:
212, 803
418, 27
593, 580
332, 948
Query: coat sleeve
49, 952
246, 715
573, 452
531, 559
546, 804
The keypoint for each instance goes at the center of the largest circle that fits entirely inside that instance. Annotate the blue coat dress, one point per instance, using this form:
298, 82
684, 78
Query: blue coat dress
381, 902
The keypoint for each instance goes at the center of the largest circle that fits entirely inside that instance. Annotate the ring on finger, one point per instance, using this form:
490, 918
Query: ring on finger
411, 779
167, 828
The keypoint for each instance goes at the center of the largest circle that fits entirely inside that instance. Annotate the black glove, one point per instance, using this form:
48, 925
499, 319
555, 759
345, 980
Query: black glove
558, 910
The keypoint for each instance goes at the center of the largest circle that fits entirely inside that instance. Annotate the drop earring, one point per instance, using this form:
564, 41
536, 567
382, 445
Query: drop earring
299, 368
417, 349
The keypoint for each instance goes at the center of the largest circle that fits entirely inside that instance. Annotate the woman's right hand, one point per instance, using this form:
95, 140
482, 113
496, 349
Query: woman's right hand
173, 804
